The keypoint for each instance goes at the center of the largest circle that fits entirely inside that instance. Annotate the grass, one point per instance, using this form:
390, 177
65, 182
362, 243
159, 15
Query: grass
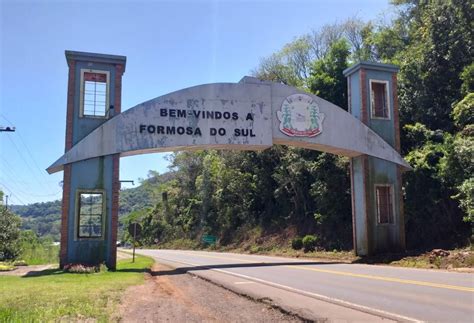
39, 254
54, 295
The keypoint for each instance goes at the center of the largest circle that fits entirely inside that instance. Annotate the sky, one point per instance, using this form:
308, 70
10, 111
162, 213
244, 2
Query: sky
169, 45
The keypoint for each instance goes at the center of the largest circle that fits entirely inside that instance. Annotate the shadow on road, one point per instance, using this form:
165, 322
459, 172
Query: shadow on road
184, 270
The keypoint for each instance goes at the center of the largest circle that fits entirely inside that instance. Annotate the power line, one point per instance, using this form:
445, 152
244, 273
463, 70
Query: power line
11, 194
11, 174
18, 199
10, 168
18, 181
41, 172
26, 197
27, 164
15, 182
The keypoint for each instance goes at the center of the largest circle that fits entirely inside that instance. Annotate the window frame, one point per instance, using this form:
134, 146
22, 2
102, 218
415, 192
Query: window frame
372, 99
79, 192
82, 94
392, 200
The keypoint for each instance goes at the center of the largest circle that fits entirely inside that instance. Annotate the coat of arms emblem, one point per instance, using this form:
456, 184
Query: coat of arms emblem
300, 116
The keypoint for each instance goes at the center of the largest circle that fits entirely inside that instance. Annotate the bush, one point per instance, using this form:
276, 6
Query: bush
255, 249
6, 267
309, 242
20, 263
81, 269
297, 243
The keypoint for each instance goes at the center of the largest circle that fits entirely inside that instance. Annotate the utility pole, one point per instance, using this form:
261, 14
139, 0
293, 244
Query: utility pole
7, 129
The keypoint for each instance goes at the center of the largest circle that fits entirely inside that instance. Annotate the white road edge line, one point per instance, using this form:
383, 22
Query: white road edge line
332, 300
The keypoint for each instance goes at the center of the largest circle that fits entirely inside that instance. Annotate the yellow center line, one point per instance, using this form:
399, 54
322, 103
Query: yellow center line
342, 273
388, 279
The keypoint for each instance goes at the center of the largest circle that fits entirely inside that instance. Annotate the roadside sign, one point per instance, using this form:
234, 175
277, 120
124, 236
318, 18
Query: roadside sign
207, 238
135, 229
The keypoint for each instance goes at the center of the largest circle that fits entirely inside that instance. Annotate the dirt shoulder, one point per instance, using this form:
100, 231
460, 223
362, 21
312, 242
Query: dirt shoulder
169, 295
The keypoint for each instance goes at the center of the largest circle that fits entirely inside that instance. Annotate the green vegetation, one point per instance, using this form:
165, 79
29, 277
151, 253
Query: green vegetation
42, 218
37, 251
23, 247
54, 295
297, 243
309, 243
9, 234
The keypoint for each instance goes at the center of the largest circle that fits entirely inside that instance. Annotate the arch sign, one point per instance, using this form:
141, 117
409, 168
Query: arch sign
249, 115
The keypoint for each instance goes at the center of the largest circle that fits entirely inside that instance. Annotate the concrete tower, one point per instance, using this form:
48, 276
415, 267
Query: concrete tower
90, 187
377, 201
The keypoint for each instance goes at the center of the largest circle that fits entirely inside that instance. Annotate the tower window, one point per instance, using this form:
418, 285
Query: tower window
384, 204
379, 100
91, 213
95, 94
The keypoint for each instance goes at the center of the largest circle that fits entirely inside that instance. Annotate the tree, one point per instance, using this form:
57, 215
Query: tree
463, 151
9, 234
292, 65
326, 78
439, 48
463, 112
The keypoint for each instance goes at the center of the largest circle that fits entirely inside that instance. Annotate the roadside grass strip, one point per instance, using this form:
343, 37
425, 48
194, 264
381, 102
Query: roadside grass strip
53, 295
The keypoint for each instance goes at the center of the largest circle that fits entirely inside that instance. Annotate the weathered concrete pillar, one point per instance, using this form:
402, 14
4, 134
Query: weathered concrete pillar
91, 187
377, 201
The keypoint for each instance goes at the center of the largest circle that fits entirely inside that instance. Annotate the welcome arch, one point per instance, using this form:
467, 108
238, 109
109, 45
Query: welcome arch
249, 115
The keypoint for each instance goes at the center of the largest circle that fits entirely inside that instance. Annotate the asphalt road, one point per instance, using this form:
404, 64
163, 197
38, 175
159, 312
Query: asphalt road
399, 294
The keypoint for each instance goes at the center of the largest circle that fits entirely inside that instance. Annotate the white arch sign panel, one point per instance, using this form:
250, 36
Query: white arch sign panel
249, 115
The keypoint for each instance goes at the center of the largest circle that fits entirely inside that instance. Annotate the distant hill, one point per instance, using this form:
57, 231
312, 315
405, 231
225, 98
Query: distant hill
45, 218
42, 218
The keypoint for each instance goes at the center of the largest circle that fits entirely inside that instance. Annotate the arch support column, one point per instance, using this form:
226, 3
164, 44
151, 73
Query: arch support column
376, 186
91, 187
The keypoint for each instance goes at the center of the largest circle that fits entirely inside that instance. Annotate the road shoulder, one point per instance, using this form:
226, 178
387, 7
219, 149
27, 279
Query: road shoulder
173, 296
295, 304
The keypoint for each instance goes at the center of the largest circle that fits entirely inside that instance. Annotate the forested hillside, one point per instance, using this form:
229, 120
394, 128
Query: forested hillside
240, 196
42, 218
